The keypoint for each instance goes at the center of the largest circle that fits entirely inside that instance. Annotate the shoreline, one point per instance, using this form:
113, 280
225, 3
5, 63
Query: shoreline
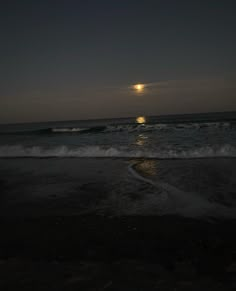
47, 243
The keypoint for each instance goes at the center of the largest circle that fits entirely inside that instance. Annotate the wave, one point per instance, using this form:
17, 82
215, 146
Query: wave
19, 151
142, 127
77, 129
74, 129
56, 130
132, 127
166, 126
172, 200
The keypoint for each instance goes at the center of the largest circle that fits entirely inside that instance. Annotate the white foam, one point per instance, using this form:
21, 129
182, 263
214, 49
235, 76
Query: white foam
10, 151
166, 126
67, 129
176, 201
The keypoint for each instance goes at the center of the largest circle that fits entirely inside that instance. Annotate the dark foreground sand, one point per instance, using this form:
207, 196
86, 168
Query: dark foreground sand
49, 242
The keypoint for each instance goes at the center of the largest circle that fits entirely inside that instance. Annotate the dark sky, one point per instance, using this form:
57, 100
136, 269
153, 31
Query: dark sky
72, 59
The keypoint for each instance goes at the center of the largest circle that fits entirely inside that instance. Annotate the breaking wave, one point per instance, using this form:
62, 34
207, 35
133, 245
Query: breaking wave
77, 129
166, 126
68, 129
131, 127
18, 151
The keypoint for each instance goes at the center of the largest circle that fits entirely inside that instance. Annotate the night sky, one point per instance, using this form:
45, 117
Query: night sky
72, 59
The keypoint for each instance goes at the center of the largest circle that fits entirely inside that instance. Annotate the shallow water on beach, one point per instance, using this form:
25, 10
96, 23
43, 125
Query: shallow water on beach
197, 188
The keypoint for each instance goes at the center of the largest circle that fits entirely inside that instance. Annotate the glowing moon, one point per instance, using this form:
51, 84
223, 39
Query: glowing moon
139, 87
141, 119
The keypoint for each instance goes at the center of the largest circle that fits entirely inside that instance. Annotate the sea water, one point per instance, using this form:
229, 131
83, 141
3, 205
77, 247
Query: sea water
167, 165
165, 137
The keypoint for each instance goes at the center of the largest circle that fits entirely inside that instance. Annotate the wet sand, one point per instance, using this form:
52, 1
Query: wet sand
49, 241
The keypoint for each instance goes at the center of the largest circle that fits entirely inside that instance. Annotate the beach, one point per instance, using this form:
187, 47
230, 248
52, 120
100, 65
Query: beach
94, 224
117, 146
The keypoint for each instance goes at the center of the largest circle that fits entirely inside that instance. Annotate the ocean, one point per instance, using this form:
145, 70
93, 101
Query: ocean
141, 203
165, 137
168, 165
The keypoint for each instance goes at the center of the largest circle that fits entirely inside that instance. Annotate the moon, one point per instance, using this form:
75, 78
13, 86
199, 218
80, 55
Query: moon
139, 88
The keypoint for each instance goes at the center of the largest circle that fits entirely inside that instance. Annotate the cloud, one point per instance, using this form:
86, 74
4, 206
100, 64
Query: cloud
199, 86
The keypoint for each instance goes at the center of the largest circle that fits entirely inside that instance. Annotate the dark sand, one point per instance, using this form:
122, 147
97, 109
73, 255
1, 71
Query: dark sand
56, 233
